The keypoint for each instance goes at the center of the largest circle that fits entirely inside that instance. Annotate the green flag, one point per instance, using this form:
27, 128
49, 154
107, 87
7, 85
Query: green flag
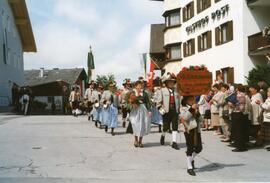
90, 60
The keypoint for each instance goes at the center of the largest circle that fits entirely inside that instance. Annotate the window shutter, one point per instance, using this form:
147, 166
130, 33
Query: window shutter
208, 3
185, 49
230, 31
198, 6
192, 9
217, 31
199, 43
184, 14
192, 46
231, 75
209, 39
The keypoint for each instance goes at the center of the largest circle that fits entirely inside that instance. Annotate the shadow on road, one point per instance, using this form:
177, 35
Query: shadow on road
216, 166
157, 144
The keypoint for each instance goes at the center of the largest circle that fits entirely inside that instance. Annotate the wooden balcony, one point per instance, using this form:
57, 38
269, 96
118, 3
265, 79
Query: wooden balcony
261, 3
258, 45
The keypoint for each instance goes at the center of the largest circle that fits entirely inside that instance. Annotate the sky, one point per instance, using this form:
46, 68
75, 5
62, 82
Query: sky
117, 30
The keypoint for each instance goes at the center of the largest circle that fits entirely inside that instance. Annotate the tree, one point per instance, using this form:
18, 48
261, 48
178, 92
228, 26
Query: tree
259, 73
105, 79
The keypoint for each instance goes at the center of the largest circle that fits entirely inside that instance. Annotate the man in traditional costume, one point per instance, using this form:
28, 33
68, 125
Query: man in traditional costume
169, 105
87, 97
191, 119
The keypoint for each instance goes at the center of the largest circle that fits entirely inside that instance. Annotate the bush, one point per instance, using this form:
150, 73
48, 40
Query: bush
259, 73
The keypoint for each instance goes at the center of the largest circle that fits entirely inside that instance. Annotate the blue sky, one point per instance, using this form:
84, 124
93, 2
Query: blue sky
118, 31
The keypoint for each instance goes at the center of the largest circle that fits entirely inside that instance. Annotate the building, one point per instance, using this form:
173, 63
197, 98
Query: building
16, 37
224, 35
53, 86
157, 51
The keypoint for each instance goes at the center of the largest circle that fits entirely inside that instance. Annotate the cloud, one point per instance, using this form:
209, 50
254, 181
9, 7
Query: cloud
118, 35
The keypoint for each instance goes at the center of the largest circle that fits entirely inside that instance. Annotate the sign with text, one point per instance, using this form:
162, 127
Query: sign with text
194, 82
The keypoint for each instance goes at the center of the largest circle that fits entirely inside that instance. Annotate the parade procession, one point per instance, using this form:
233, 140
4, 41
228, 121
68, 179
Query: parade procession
128, 91
177, 104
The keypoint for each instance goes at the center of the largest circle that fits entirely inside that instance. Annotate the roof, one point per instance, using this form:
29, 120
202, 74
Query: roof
70, 76
23, 24
157, 38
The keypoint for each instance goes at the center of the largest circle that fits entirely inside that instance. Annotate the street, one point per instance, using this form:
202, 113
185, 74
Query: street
67, 149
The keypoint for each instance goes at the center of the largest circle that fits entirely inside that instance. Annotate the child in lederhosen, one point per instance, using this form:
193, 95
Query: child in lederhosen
191, 119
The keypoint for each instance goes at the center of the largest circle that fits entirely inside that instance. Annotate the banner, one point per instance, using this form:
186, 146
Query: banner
194, 81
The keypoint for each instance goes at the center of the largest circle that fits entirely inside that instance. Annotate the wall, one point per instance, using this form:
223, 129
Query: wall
12, 71
255, 19
246, 21
172, 36
171, 4
225, 55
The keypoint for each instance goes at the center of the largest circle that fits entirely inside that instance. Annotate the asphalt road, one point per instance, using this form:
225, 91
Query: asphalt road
56, 149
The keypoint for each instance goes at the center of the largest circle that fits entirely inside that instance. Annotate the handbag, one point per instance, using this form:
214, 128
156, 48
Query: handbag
192, 124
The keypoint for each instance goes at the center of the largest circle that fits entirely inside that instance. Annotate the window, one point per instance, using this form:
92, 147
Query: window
205, 41
227, 74
173, 52
172, 18
224, 33
188, 11
189, 47
202, 5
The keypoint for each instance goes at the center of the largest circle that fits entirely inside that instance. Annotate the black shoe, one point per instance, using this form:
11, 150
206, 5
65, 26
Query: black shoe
191, 172
106, 129
96, 124
124, 124
175, 146
113, 134
89, 118
239, 150
193, 165
162, 140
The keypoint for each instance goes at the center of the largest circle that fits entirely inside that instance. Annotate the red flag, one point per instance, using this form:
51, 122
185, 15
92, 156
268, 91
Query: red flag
150, 75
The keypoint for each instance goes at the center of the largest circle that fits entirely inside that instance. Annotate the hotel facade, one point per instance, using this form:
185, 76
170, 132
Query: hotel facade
224, 35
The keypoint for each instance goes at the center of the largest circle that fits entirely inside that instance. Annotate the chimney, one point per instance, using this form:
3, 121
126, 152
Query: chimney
41, 73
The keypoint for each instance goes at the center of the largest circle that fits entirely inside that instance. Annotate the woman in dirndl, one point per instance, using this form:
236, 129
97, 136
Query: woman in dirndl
140, 113
156, 117
109, 109
265, 131
191, 119
95, 100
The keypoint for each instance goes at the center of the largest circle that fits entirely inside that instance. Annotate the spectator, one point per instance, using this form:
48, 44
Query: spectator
256, 120
239, 120
215, 109
265, 133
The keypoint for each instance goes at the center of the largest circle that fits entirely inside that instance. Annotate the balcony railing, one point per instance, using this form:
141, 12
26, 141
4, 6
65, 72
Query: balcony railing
261, 3
257, 42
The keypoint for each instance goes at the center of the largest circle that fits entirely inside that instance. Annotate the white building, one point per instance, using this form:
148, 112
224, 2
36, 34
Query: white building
224, 35
16, 37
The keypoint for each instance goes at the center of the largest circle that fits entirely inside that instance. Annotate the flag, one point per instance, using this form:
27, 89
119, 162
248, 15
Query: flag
90, 60
90, 65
